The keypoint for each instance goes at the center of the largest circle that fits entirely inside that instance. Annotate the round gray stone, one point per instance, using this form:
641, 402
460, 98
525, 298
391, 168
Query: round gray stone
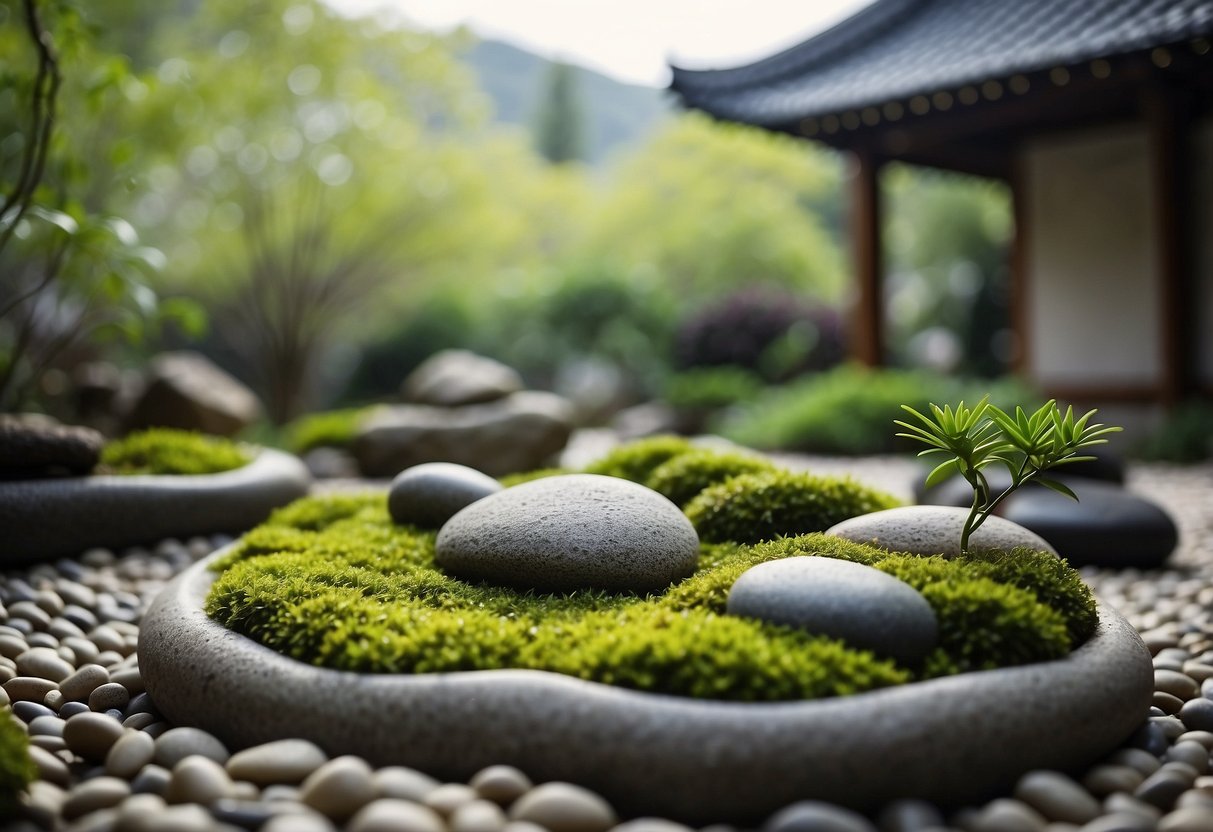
285, 761
864, 607
815, 816
934, 530
429, 494
175, 744
564, 807
579, 531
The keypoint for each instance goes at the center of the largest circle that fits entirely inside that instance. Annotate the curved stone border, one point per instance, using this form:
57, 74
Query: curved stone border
949, 740
56, 517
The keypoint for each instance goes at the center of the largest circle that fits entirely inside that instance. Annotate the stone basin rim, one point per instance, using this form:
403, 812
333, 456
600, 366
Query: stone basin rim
62, 516
696, 761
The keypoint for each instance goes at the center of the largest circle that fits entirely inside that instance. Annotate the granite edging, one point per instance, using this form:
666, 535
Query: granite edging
950, 740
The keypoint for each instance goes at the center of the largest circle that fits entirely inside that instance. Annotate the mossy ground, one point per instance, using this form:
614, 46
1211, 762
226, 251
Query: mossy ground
16, 768
164, 451
332, 581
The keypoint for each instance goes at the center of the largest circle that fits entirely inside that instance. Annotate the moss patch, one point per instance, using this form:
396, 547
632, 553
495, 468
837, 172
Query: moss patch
332, 581
637, 460
165, 451
16, 768
682, 477
327, 429
510, 480
753, 507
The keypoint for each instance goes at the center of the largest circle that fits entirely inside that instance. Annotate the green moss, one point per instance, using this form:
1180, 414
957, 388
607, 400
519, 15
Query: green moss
682, 477
637, 460
17, 770
165, 451
753, 507
332, 429
332, 581
510, 480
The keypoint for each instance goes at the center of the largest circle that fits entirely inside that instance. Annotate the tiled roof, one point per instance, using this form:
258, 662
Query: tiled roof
895, 49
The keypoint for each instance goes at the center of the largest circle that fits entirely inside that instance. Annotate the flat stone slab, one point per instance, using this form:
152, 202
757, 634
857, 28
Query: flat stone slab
867, 608
935, 530
950, 740
59, 517
579, 531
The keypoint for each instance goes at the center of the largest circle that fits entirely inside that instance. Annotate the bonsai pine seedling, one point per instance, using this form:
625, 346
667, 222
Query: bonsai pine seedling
1026, 444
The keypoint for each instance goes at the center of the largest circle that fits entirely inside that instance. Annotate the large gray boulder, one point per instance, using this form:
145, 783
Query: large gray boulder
186, 390
453, 378
521, 432
561, 534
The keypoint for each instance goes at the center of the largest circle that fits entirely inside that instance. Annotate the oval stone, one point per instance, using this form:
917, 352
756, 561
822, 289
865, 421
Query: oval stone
429, 494
935, 530
864, 607
580, 531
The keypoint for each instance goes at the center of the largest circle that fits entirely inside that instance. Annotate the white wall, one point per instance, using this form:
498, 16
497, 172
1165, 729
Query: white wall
1092, 308
1202, 199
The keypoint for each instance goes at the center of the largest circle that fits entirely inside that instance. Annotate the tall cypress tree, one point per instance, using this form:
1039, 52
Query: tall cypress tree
559, 121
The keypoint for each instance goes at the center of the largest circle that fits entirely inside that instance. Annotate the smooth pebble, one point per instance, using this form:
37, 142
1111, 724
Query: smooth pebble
564, 807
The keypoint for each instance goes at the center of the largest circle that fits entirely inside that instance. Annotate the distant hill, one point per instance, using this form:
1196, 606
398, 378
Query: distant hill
616, 114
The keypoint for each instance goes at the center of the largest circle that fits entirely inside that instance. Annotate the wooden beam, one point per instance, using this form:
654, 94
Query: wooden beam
1021, 275
1170, 174
867, 344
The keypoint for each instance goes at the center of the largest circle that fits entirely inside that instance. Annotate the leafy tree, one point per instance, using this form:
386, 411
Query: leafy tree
710, 206
559, 124
69, 275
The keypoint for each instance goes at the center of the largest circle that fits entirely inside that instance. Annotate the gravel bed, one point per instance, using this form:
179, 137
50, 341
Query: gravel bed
69, 629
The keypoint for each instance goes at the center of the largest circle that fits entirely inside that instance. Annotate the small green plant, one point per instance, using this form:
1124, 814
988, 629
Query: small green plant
1026, 444
17, 770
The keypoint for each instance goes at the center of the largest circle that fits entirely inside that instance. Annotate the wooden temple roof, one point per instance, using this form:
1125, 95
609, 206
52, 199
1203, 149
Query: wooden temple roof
897, 61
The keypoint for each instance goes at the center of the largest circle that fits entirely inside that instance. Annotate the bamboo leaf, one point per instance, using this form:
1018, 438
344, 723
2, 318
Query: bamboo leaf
1060, 488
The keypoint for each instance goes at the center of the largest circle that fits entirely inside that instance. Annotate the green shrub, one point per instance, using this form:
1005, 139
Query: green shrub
849, 410
637, 460
350, 590
1185, 436
682, 477
753, 507
329, 429
165, 451
17, 770
510, 480
711, 388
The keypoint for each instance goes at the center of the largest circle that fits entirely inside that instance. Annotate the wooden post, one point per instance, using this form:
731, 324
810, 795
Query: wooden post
1170, 174
867, 342
1020, 273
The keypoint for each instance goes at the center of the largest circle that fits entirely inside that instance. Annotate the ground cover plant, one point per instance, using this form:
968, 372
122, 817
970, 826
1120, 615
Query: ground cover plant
325, 429
847, 410
16, 768
166, 451
332, 581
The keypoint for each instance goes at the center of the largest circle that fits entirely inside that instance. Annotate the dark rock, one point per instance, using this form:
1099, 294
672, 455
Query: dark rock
579, 531
521, 432
1107, 527
428, 495
35, 449
864, 607
452, 378
188, 391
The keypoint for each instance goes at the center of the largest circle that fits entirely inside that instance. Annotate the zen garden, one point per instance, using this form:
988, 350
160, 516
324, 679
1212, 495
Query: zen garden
403, 431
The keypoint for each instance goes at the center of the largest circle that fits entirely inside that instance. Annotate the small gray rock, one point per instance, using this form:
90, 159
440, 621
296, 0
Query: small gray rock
429, 494
501, 784
109, 696
404, 783
84, 681
452, 378
816, 816
29, 449
1197, 714
43, 663
130, 754
391, 815
339, 788
865, 607
563, 807
198, 779
934, 530
175, 744
284, 761
91, 735
579, 531
1057, 797
478, 816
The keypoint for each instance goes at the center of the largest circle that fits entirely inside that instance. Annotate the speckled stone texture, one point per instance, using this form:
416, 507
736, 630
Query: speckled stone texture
694, 761
54, 518
429, 494
934, 530
580, 531
864, 607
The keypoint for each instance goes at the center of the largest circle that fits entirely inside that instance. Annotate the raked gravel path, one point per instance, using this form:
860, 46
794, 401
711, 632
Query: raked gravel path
68, 632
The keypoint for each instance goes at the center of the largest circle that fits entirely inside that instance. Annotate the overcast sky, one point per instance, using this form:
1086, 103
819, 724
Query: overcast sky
631, 40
